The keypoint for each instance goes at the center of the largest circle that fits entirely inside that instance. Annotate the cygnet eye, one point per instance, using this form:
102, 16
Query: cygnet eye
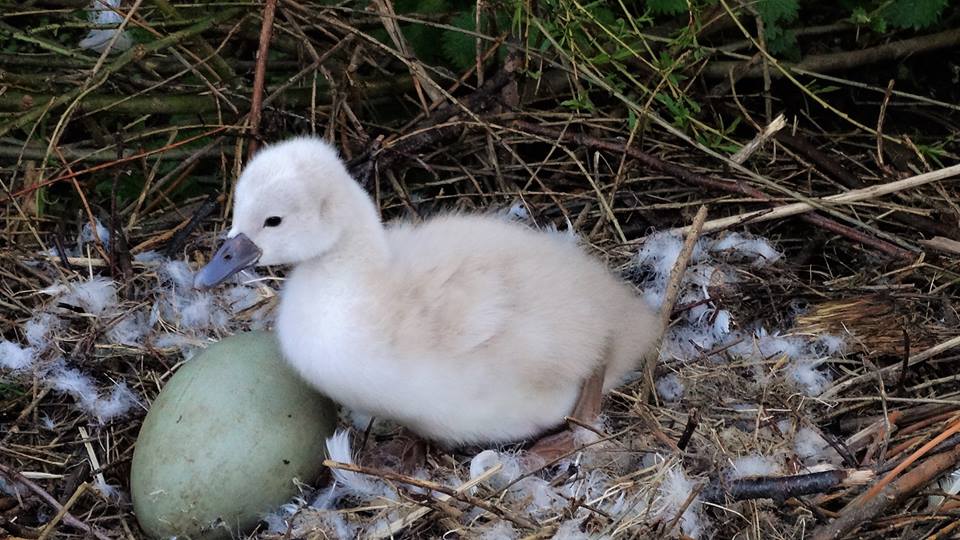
272, 221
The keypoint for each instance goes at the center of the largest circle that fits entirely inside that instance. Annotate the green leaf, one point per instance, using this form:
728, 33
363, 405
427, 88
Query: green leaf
916, 14
458, 48
879, 25
774, 11
667, 7
860, 16
781, 42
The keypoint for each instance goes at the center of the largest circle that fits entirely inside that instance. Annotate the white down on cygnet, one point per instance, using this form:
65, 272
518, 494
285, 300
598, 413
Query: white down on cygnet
463, 328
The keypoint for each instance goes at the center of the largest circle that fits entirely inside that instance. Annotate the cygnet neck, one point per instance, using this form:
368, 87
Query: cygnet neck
361, 249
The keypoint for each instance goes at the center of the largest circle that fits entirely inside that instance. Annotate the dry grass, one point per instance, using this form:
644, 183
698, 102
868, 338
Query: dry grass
155, 141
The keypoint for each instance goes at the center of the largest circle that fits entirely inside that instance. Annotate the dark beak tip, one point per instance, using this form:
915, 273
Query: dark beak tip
233, 256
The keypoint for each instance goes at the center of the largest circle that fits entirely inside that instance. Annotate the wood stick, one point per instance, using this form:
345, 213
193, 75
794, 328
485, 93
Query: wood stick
862, 509
923, 450
391, 529
856, 195
67, 517
759, 140
260, 75
685, 175
921, 356
52, 524
781, 488
433, 486
670, 298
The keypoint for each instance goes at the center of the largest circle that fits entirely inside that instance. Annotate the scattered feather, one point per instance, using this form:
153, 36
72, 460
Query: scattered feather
130, 329
14, 357
38, 329
86, 235
670, 387
12, 488
812, 448
500, 530
95, 296
948, 484
358, 485
79, 386
177, 273
108, 491
830, 344
759, 250
570, 530
805, 375
240, 298
489, 459
752, 466
674, 493
149, 257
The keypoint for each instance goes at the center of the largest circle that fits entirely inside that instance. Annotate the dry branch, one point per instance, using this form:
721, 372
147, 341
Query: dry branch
15, 477
832, 62
433, 486
781, 488
670, 298
841, 198
260, 75
862, 509
685, 175
135, 53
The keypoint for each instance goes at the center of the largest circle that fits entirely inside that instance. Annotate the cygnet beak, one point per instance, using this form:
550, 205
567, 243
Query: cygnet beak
233, 256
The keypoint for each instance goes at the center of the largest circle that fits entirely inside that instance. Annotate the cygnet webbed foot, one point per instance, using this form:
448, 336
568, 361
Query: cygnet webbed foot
586, 410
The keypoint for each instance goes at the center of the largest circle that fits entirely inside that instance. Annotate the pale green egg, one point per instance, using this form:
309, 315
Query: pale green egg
225, 441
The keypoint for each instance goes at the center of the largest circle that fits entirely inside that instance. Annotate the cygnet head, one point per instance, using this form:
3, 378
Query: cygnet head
293, 202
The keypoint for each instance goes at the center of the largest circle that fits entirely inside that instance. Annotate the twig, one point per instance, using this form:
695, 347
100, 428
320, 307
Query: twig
260, 75
944, 446
832, 168
113, 163
694, 493
862, 508
840, 198
922, 451
179, 239
423, 82
781, 488
748, 149
433, 486
436, 127
902, 382
129, 56
219, 65
67, 518
692, 421
892, 369
670, 298
389, 530
52, 524
880, 118
685, 175
850, 233
841, 61
13, 427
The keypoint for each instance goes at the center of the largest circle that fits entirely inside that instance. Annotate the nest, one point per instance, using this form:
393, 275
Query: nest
812, 390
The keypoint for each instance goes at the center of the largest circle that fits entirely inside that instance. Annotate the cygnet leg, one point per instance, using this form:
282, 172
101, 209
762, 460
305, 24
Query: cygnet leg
586, 410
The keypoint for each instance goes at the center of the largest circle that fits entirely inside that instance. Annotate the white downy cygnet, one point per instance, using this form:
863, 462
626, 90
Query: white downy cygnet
464, 329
